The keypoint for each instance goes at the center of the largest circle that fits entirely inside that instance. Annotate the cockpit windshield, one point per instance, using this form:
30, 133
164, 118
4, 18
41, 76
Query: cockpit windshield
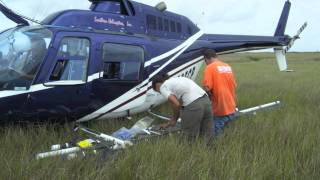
22, 51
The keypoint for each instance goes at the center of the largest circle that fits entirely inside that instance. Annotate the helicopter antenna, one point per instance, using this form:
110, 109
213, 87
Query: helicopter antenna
24, 17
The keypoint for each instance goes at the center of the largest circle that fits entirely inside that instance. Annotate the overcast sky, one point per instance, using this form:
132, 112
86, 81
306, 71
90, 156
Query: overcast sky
248, 17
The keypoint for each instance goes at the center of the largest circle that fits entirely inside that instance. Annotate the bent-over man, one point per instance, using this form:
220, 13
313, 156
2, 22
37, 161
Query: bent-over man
188, 101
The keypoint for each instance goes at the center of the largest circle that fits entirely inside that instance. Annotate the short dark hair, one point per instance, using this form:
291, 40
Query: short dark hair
159, 79
209, 53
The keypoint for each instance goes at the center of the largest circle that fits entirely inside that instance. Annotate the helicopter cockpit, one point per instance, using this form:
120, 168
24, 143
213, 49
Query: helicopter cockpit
22, 50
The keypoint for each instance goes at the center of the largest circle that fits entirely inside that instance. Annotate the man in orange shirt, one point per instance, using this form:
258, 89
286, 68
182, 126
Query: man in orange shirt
220, 84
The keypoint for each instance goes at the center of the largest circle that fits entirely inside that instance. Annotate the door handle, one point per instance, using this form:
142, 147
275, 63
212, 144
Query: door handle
156, 66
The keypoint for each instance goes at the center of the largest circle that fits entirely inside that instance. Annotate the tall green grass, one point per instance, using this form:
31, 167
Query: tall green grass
279, 144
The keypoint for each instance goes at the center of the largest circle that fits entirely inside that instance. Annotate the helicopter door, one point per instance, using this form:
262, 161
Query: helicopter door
68, 91
122, 67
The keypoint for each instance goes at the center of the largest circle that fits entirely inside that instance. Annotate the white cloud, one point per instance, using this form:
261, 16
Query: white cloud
251, 17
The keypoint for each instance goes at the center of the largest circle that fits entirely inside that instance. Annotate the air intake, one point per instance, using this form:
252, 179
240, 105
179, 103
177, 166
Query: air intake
161, 6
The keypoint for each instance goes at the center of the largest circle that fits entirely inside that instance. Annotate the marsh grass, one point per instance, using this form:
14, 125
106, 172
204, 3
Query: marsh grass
278, 144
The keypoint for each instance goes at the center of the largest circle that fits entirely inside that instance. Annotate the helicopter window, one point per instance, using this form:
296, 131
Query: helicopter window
160, 24
58, 69
72, 60
166, 25
151, 22
22, 51
111, 70
172, 26
122, 62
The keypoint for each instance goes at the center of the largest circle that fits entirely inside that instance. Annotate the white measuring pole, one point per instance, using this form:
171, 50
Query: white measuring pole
261, 107
241, 112
58, 153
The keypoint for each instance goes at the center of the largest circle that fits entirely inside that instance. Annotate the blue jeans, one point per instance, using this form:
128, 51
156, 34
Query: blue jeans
221, 121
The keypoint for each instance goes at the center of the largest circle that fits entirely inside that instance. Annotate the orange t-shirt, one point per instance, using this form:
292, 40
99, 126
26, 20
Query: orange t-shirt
219, 78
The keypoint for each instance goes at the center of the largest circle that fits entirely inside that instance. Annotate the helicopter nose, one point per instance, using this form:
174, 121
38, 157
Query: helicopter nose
3, 111
10, 109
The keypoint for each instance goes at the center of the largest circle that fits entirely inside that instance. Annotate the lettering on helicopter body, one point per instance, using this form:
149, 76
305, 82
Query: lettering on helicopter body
188, 73
109, 21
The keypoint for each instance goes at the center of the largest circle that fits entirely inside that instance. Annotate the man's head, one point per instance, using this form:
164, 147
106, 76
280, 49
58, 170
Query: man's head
210, 55
157, 81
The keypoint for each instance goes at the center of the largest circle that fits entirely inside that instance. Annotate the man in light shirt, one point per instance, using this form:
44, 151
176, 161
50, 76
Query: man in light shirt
189, 102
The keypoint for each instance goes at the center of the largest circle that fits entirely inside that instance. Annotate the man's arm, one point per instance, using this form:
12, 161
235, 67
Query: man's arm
208, 82
208, 91
175, 104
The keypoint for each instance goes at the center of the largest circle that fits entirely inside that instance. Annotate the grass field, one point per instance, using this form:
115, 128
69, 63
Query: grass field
279, 144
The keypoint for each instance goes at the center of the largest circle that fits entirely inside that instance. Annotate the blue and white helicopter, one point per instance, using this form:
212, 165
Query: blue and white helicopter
93, 64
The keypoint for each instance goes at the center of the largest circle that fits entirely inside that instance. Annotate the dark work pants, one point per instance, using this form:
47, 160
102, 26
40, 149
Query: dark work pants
221, 121
196, 119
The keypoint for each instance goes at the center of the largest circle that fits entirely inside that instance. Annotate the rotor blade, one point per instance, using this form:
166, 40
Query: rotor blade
12, 15
297, 36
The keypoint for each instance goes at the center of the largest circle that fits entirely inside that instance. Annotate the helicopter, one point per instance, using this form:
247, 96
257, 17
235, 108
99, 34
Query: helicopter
84, 65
